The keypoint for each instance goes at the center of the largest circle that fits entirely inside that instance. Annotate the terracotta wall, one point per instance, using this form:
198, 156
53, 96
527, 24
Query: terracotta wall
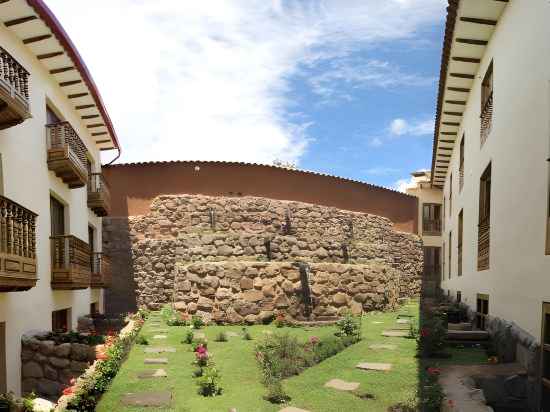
134, 186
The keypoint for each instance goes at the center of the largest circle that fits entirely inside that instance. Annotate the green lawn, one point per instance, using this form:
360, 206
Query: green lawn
241, 376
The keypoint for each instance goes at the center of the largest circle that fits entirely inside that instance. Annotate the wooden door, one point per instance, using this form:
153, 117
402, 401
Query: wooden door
57, 211
3, 372
545, 358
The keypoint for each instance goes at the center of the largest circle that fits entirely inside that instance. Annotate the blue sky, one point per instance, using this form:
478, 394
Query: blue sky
344, 87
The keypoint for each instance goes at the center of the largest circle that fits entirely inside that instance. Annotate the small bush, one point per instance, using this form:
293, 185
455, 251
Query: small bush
198, 372
431, 339
178, 320
197, 322
281, 355
349, 325
275, 393
221, 337
210, 382
430, 392
202, 357
196, 343
246, 334
167, 312
188, 338
142, 340
327, 347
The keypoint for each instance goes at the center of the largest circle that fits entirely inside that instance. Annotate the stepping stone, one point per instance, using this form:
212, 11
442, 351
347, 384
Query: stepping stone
231, 334
377, 323
292, 409
160, 350
385, 367
155, 361
160, 337
342, 385
144, 399
395, 333
403, 321
153, 373
267, 332
404, 315
199, 335
383, 346
159, 330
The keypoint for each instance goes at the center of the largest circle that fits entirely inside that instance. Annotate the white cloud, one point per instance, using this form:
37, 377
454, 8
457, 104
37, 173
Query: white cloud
381, 171
190, 80
375, 142
403, 184
402, 127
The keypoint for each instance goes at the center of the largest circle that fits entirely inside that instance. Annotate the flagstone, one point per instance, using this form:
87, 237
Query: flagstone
383, 346
144, 399
403, 321
159, 330
160, 337
231, 334
385, 367
156, 361
377, 322
152, 373
199, 335
395, 333
342, 385
160, 350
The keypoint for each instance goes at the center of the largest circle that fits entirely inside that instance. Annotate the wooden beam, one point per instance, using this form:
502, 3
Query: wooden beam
103, 149
479, 21
95, 125
84, 106
50, 55
459, 89
466, 59
451, 124
77, 95
99, 134
474, 42
3, 1
445, 148
90, 116
463, 75
20, 20
446, 141
453, 114
37, 38
457, 102
70, 83
62, 70
103, 141
448, 133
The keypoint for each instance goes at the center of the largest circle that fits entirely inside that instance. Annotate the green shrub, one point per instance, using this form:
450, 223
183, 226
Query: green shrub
197, 322
275, 392
431, 339
221, 337
177, 320
188, 338
327, 347
199, 342
281, 356
142, 340
349, 325
210, 382
246, 334
430, 392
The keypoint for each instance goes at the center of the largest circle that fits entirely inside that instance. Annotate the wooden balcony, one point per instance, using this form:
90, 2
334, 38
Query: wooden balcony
70, 263
14, 92
101, 271
17, 247
99, 196
67, 155
431, 227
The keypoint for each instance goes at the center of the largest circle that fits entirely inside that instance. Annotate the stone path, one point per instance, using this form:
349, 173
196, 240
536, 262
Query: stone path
367, 366
160, 337
160, 350
382, 346
341, 385
395, 333
155, 399
403, 321
152, 373
156, 361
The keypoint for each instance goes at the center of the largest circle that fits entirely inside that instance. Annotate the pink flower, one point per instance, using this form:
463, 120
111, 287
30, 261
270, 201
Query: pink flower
201, 349
424, 332
68, 391
434, 371
314, 340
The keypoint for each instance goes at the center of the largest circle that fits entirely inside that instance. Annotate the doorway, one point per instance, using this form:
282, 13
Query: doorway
3, 372
545, 358
57, 210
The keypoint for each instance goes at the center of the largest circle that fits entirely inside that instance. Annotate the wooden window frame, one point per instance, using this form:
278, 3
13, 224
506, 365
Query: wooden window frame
484, 224
431, 226
482, 311
451, 196
486, 100
458, 296
461, 164
443, 252
61, 320
450, 252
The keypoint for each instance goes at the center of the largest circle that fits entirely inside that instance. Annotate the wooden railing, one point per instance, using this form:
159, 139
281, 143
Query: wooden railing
67, 154
17, 247
14, 91
70, 263
486, 119
99, 195
101, 271
483, 245
431, 227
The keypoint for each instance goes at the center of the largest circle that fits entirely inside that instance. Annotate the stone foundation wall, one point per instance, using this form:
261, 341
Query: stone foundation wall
47, 368
240, 236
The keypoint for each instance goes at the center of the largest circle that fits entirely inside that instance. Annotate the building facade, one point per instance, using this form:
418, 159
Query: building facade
53, 126
490, 160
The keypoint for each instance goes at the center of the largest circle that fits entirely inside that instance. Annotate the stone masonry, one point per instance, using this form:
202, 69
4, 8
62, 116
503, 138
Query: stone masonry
235, 259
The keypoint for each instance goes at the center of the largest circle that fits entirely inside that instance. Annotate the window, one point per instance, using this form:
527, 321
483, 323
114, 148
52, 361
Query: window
460, 235
545, 357
451, 196
3, 368
461, 165
60, 320
450, 251
486, 104
458, 296
432, 264
94, 308
57, 211
431, 219
483, 242
548, 219
51, 116
482, 311
443, 262
444, 213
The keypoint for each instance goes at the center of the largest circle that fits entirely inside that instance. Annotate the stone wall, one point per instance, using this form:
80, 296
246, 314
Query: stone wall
48, 367
260, 239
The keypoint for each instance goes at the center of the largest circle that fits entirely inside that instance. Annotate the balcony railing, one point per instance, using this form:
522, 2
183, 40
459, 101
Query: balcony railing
17, 247
431, 227
99, 196
70, 263
14, 91
486, 119
67, 154
101, 271
483, 245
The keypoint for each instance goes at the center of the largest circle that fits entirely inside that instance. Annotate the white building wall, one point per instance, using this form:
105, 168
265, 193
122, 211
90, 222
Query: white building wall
518, 281
28, 182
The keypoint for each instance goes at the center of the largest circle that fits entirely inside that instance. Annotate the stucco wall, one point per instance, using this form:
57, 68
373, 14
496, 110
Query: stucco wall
28, 182
180, 231
518, 280
134, 186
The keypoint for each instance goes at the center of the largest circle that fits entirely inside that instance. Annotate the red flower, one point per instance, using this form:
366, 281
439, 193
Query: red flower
72, 381
434, 371
201, 349
314, 340
424, 332
68, 391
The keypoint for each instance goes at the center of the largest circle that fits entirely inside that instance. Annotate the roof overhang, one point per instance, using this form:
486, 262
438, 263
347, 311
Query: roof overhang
470, 26
37, 27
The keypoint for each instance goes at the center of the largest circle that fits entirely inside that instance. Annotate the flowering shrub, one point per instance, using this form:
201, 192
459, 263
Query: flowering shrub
188, 338
280, 320
430, 392
350, 326
431, 339
201, 356
209, 382
178, 319
197, 322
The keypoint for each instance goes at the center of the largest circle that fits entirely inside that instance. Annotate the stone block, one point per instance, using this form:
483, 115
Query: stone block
32, 370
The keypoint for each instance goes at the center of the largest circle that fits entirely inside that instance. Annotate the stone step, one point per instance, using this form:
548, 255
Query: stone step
467, 335
147, 399
460, 326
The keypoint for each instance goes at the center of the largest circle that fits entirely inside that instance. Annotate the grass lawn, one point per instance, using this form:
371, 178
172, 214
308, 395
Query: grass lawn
241, 375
